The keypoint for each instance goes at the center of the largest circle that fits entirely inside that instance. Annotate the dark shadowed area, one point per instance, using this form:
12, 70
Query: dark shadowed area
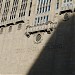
58, 55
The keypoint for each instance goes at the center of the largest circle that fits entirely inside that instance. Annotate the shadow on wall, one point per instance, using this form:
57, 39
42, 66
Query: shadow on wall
58, 55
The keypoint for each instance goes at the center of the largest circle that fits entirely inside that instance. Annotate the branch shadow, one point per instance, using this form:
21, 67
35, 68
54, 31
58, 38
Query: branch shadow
58, 55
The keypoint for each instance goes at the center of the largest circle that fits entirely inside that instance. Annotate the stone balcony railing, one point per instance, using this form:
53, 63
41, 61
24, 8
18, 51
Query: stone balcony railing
47, 27
68, 7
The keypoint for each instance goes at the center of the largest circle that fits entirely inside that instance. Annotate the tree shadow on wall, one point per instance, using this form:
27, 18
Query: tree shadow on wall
58, 55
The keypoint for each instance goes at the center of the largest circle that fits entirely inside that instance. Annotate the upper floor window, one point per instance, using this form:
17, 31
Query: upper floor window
14, 9
67, 0
30, 7
6, 10
41, 20
57, 6
43, 9
46, 18
49, 8
23, 8
64, 1
46, 9
38, 19
46, 1
1, 5
43, 6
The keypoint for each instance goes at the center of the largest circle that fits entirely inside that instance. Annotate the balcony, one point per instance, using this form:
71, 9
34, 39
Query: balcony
67, 8
47, 27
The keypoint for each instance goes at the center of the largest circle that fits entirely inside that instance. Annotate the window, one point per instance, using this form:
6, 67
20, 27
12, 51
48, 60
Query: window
49, 8
46, 1
67, 0
43, 9
46, 9
6, 10
23, 8
40, 10
38, 19
37, 10
30, 7
44, 19
47, 18
41, 18
64, 1
14, 9
35, 21
57, 6
1, 5
44, 6
29, 12
38, 1
41, 2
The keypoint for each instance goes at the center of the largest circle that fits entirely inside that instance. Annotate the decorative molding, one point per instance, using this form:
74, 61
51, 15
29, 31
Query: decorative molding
66, 16
38, 38
48, 27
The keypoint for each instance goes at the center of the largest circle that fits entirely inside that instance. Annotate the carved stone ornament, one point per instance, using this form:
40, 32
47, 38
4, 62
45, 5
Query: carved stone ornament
66, 16
38, 38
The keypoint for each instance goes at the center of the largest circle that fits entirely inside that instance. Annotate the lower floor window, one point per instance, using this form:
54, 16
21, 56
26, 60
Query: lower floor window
41, 20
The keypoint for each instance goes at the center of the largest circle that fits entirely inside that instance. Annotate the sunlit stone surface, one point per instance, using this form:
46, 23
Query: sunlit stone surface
37, 37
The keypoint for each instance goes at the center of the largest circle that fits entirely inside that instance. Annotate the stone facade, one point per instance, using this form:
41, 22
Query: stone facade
25, 28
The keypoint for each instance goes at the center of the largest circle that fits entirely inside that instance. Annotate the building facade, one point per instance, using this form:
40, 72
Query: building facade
25, 28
